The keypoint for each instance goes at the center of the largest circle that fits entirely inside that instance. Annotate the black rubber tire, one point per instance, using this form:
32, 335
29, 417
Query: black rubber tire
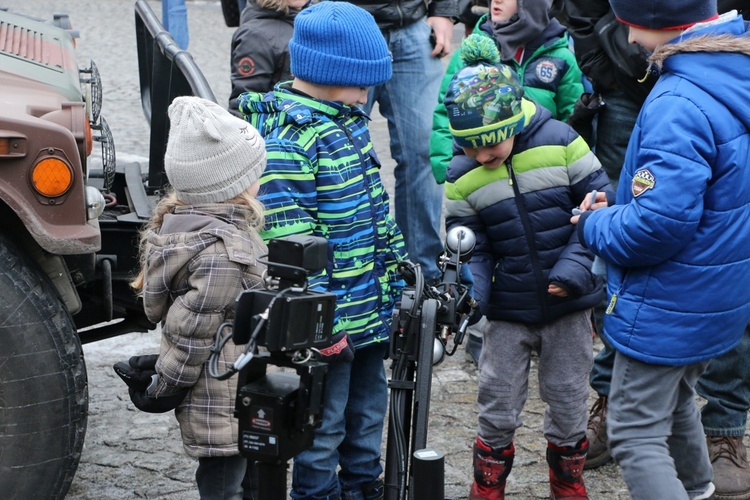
231, 11
43, 383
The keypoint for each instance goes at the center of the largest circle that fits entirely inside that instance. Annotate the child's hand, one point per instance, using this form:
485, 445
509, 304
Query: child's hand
557, 290
600, 201
594, 201
140, 375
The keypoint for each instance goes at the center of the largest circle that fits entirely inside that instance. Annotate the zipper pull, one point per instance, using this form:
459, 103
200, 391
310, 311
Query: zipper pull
611, 305
510, 173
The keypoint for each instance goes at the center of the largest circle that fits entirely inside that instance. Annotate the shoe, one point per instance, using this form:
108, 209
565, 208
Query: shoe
731, 471
473, 349
491, 469
374, 491
371, 491
596, 432
566, 470
708, 494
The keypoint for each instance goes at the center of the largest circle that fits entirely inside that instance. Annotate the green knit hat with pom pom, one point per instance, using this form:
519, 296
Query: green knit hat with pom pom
484, 98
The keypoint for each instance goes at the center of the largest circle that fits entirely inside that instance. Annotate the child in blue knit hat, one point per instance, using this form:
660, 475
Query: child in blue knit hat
676, 242
322, 179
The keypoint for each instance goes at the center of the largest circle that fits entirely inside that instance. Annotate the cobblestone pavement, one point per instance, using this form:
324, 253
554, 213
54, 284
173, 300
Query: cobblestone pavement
129, 454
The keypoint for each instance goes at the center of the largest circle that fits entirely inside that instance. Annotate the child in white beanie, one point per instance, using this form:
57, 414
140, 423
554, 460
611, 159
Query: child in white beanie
198, 252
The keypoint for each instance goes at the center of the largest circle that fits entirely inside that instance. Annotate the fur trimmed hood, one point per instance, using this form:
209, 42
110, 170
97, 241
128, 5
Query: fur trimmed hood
704, 43
715, 57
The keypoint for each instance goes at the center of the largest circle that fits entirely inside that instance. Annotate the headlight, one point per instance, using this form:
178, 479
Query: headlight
94, 203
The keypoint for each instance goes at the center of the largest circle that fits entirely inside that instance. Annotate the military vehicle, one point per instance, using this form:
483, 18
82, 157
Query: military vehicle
69, 225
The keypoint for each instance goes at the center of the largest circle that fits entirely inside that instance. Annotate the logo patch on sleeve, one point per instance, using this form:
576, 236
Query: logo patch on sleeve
546, 71
246, 66
643, 180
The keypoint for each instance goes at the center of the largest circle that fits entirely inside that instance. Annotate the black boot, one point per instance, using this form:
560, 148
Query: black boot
372, 491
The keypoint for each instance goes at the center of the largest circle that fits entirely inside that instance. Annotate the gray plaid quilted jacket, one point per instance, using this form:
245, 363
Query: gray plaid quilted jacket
202, 257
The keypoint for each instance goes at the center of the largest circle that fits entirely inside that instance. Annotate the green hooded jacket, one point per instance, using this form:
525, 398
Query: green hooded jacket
550, 76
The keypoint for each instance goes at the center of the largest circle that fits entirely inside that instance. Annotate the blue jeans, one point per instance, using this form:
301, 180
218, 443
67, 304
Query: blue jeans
354, 406
726, 387
600, 377
614, 124
654, 429
174, 20
407, 101
220, 478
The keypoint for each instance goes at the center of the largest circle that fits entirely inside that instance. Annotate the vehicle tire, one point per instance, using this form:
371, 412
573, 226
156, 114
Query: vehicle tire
231, 11
43, 383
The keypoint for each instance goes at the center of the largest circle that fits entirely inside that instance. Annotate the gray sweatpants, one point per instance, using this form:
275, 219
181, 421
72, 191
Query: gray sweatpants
565, 349
655, 430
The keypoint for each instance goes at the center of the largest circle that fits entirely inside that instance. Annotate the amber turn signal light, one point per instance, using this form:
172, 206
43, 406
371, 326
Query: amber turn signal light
51, 177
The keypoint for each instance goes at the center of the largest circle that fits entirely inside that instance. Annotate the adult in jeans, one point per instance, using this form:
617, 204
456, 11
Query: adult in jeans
617, 71
174, 20
614, 68
407, 101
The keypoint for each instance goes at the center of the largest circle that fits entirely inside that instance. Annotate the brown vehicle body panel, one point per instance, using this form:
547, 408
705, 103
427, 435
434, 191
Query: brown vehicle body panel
42, 120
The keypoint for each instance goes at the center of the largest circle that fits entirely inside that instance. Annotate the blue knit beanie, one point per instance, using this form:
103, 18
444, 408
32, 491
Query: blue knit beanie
663, 14
337, 43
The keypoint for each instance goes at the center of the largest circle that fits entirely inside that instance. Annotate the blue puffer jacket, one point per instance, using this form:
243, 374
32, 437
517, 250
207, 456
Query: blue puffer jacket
678, 240
520, 213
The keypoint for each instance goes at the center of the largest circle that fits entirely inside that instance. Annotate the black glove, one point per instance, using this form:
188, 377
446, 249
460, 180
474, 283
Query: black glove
470, 309
584, 110
475, 314
340, 351
139, 373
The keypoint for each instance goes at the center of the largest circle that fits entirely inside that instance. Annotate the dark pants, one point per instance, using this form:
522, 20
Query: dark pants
220, 478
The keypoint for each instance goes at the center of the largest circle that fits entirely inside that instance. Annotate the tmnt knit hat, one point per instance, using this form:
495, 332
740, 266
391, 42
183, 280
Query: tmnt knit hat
663, 14
212, 156
483, 99
338, 43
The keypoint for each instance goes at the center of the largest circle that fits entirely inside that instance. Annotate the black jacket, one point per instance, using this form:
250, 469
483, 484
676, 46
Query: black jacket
603, 52
399, 13
260, 51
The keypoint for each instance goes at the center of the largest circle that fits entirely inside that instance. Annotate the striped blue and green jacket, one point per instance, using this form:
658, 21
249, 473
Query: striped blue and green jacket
323, 179
521, 213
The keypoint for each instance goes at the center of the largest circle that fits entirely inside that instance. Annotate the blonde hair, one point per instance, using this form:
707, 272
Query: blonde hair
168, 202
277, 5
